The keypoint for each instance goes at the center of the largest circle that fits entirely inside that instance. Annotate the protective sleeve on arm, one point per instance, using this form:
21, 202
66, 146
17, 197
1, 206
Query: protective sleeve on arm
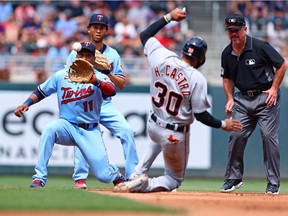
151, 30
107, 89
207, 119
39, 95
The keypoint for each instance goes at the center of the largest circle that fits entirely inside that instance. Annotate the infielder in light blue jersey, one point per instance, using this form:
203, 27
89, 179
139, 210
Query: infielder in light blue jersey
79, 107
110, 117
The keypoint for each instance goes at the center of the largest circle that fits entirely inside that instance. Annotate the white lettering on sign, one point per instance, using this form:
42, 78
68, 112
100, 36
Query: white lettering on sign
20, 136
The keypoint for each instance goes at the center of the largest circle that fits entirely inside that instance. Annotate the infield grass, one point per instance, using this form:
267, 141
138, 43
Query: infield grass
60, 195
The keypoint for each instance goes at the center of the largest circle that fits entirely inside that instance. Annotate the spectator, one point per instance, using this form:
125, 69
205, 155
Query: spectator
139, 14
76, 9
125, 31
6, 10
57, 55
23, 11
45, 9
278, 13
277, 34
100, 7
47, 25
5, 55
12, 31
28, 40
65, 24
258, 19
31, 23
243, 7
39, 56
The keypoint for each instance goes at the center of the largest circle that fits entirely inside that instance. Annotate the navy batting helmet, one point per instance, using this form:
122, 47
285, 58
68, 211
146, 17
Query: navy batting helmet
196, 47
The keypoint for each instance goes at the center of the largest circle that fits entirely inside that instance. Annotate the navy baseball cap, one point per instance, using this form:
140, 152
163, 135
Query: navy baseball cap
88, 46
235, 21
98, 19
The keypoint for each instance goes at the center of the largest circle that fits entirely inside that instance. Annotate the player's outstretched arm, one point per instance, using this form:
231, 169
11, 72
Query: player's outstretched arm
177, 15
35, 97
227, 124
232, 125
20, 110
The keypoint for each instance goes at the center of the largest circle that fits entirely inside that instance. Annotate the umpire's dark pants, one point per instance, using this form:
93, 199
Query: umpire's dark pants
250, 111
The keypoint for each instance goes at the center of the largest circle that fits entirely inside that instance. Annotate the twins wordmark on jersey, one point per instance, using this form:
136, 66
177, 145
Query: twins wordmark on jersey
70, 95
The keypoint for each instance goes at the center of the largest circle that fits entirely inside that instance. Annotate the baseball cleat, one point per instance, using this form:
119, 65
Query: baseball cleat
81, 184
131, 184
272, 189
231, 185
119, 180
37, 184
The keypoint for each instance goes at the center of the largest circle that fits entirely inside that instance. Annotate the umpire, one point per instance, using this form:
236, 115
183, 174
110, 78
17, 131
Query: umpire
256, 69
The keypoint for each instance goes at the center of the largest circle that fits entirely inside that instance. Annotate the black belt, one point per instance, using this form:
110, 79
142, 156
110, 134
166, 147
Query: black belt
183, 128
251, 93
255, 92
87, 126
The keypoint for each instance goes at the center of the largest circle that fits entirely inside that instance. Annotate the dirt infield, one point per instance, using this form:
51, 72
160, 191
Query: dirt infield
191, 204
214, 203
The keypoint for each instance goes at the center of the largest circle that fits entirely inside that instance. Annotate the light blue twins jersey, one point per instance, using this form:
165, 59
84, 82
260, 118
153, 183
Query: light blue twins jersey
113, 58
77, 102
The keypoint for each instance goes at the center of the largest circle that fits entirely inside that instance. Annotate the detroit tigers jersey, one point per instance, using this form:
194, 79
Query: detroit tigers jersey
177, 89
84, 100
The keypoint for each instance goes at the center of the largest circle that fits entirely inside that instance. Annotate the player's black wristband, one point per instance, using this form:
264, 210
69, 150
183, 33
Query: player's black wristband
29, 102
98, 83
207, 119
105, 71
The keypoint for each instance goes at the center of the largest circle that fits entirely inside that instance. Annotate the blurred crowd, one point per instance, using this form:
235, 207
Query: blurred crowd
48, 28
45, 30
267, 20
26, 26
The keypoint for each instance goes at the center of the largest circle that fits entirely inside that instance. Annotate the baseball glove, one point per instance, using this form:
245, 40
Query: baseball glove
101, 61
80, 71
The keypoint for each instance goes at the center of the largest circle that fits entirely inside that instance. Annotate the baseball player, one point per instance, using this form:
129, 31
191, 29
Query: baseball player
110, 117
178, 93
79, 107
256, 69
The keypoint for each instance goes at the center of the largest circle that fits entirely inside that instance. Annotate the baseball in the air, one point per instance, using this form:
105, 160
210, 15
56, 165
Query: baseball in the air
76, 46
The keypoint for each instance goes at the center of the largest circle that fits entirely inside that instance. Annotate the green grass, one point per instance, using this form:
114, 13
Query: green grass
250, 185
59, 194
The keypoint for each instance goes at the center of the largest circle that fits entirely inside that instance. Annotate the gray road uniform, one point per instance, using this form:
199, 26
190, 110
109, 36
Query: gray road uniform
177, 91
178, 95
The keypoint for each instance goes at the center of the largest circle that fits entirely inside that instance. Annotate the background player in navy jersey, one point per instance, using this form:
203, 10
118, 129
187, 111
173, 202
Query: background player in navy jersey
178, 93
110, 117
257, 70
79, 108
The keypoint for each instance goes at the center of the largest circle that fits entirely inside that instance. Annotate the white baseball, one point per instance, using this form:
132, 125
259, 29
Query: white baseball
184, 9
76, 46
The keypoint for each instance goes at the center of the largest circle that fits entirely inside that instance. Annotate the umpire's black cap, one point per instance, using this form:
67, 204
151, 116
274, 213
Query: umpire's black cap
235, 21
88, 46
98, 19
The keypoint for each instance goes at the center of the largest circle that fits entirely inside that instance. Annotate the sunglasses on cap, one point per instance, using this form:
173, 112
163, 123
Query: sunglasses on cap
232, 22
